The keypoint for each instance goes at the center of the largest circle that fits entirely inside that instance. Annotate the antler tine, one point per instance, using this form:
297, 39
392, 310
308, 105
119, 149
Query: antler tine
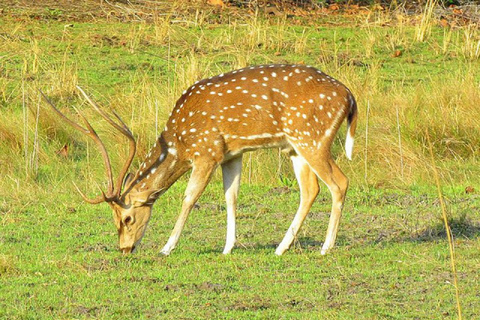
97, 200
123, 128
100, 111
131, 155
73, 124
93, 135
103, 150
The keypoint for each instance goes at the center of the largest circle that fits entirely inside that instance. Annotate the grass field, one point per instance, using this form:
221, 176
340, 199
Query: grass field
59, 257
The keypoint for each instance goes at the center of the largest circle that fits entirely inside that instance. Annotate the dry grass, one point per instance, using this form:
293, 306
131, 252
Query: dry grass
400, 109
7, 266
424, 28
446, 226
399, 99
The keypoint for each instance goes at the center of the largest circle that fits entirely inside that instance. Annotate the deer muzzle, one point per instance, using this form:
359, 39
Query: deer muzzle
128, 250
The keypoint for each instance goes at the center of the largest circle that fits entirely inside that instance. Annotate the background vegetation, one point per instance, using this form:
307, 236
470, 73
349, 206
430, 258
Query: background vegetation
414, 75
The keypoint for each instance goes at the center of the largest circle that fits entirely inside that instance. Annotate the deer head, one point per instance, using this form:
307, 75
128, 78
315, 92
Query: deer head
131, 208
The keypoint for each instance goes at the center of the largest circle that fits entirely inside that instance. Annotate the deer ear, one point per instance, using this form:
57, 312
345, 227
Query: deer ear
128, 179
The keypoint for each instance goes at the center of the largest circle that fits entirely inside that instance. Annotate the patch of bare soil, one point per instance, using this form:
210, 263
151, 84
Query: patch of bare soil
91, 10
224, 11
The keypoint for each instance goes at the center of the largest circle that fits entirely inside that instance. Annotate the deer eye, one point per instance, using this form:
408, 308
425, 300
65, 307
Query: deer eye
127, 220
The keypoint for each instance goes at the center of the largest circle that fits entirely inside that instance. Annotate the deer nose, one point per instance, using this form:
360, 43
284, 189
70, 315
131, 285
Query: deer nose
127, 250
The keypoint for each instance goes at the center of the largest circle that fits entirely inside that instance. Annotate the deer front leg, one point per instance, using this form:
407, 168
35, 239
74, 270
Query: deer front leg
201, 173
231, 171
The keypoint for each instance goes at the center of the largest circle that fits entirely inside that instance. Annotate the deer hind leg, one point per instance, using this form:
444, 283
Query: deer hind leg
328, 171
231, 172
308, 183
201, 173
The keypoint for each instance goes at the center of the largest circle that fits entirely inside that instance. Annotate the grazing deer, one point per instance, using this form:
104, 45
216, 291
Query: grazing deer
296, 108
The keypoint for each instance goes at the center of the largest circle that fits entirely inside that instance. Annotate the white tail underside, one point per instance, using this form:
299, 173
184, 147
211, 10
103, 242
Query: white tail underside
349, 144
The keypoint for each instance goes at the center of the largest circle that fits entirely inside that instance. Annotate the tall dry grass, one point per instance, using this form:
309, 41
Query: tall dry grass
390, 147
447, 228
395, 112
424, 28
397, 123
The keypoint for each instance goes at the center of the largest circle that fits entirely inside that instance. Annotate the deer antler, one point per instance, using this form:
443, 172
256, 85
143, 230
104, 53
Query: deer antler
125, 131
113, 192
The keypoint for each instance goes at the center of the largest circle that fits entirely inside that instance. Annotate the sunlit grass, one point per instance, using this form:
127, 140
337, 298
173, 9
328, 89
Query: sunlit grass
391, 249
141, 69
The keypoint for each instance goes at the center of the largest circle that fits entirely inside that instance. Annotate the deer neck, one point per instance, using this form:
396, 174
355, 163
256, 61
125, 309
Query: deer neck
160, 169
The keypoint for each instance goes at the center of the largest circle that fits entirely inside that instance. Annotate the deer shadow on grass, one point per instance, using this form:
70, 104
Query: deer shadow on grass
459, 228
304, 243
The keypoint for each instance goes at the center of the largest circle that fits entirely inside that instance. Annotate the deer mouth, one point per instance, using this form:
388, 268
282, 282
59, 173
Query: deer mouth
128, 250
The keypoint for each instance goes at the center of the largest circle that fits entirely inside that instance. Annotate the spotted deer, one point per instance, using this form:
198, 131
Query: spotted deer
296, 108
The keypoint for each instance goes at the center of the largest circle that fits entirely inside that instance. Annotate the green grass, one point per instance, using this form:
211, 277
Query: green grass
59, 260
59, 257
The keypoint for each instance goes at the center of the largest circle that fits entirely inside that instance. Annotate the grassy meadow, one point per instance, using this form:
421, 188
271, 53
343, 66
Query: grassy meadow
415, 81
